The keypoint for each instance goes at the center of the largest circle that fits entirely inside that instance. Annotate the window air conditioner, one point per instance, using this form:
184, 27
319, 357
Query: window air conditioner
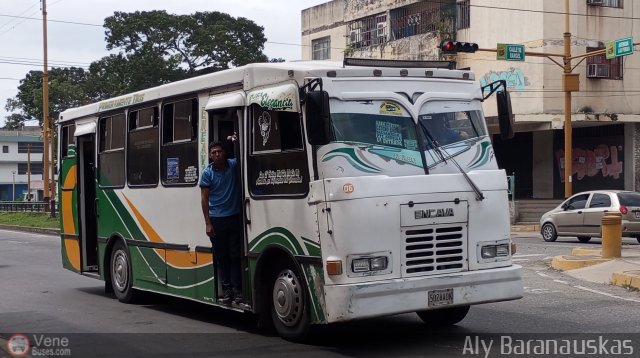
597, 71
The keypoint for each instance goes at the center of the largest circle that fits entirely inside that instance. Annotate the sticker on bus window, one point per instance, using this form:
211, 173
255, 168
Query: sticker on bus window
190, 174
390, 108
173, 171
388, 133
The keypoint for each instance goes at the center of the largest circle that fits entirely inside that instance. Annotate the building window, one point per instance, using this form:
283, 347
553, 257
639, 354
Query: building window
371, 30
321, 48
111, 154
463, 12
35, 167
421, 18
34, 147
606, 3
5, 149
600, 67
179, 151
143, 147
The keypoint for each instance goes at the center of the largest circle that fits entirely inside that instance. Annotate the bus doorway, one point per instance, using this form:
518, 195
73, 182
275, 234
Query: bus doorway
88, 223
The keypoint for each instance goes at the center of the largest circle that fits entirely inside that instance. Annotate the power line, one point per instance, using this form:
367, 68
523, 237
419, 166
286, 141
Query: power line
49, 20
37, 59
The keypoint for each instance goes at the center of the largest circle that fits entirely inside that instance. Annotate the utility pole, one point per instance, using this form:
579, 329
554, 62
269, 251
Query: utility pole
45, 106
29, 172
14, 185
568, 158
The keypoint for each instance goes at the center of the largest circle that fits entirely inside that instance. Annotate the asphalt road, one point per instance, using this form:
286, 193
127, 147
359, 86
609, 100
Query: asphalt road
38, 296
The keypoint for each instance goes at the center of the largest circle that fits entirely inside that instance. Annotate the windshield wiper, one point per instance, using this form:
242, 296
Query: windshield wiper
444, 155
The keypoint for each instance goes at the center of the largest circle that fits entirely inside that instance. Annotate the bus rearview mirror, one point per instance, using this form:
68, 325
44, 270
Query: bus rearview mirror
505, 114
317, 117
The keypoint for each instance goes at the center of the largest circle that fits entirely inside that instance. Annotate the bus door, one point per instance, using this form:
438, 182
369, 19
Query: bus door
88, 222
226, 114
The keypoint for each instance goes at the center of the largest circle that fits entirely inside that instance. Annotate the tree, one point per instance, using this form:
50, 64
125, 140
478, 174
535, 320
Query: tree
202, 42
67, 88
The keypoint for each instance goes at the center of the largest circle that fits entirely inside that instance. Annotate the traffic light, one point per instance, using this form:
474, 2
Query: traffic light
452, 47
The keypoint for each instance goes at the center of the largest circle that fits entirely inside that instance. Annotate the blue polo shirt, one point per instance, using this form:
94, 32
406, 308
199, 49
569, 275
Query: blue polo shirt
224, 189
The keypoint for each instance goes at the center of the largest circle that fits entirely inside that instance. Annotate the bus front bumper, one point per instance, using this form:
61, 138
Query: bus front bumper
388, 297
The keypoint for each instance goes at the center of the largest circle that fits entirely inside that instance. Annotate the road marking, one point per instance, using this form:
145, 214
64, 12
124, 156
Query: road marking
560, 281
527, 255
606, 294
519, 260
544, 274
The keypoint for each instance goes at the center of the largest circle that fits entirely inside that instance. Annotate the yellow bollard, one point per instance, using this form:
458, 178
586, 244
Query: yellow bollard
611, 235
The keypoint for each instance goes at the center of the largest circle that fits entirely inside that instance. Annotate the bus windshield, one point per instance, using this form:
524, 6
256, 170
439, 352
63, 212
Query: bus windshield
451, 127
378, 123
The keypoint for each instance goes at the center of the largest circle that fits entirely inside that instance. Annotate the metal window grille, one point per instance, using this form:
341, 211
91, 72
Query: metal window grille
463, 12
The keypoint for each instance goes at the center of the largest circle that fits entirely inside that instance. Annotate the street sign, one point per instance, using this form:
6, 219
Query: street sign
620, 47
509, 52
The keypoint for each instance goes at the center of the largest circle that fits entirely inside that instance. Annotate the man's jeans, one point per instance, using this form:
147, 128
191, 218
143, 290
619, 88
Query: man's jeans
227, 250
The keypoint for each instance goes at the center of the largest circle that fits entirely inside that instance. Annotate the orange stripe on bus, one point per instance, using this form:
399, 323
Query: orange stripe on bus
68, 226
73, 252
182, 259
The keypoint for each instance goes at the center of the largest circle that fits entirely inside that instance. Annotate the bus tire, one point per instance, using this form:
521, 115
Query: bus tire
444, 317
289, 304
121, 273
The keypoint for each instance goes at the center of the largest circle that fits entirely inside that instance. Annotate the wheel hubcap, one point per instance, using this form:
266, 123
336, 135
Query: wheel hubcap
547, 232
287, 298
120, 270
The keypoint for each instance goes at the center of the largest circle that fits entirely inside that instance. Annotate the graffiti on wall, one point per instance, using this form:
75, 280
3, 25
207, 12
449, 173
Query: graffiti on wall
516, 80
586, 162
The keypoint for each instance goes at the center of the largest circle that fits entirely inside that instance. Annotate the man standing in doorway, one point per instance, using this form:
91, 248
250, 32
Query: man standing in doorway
220, 200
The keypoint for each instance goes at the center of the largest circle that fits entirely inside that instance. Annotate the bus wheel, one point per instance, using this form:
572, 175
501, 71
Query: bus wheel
289, 308
444, 316
121, 275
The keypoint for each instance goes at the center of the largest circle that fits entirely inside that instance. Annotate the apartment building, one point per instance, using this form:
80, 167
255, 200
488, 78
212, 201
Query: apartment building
20, 160
605, 112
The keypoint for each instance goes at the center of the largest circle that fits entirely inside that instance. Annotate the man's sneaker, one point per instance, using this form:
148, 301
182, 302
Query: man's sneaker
237, 298
226, 298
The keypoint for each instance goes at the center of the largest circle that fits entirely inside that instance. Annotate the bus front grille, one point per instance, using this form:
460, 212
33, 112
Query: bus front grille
435, 249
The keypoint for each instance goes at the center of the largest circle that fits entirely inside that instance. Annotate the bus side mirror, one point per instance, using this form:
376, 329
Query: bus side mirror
317, 117
505, 115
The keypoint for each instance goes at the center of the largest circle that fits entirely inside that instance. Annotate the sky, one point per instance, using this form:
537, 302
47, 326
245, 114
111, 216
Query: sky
21, 40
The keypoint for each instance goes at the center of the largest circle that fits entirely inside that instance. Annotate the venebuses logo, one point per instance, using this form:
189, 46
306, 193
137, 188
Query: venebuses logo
18, 345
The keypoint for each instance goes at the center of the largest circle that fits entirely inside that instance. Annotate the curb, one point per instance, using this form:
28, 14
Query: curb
571, 262
581, 251
525, 228
626, 279
38, 230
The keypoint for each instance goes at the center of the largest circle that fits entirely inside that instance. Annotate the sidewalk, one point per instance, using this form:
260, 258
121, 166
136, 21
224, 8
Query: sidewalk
587, 263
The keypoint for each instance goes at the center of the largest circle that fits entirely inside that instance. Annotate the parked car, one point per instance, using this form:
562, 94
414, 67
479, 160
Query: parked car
581, 215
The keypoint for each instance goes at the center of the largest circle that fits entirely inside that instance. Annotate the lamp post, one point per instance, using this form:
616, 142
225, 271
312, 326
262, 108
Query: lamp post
14, 185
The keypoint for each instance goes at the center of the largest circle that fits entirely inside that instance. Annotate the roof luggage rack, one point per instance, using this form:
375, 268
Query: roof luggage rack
367, 62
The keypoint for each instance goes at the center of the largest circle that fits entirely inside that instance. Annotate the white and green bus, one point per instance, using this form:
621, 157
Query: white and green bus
368, 190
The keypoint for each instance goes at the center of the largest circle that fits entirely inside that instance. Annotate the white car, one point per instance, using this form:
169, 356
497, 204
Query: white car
581, 215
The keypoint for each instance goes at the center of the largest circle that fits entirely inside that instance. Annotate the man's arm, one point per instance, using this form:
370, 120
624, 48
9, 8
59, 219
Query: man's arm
204, 202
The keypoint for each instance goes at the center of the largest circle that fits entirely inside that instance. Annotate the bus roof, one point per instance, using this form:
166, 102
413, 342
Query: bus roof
252, 76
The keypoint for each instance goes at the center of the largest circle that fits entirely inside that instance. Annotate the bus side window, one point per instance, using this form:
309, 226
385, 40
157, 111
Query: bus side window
179, 149
277, 163
67, 139
142, 147
111, 151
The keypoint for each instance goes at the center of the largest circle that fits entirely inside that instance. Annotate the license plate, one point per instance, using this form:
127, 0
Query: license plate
637, 214
441, 297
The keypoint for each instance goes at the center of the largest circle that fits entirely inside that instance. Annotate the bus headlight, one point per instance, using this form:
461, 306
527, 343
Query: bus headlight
498, 251
370, 264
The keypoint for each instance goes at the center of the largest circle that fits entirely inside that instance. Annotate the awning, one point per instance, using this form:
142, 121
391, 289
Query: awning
85, 128
227, 100
278, 98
